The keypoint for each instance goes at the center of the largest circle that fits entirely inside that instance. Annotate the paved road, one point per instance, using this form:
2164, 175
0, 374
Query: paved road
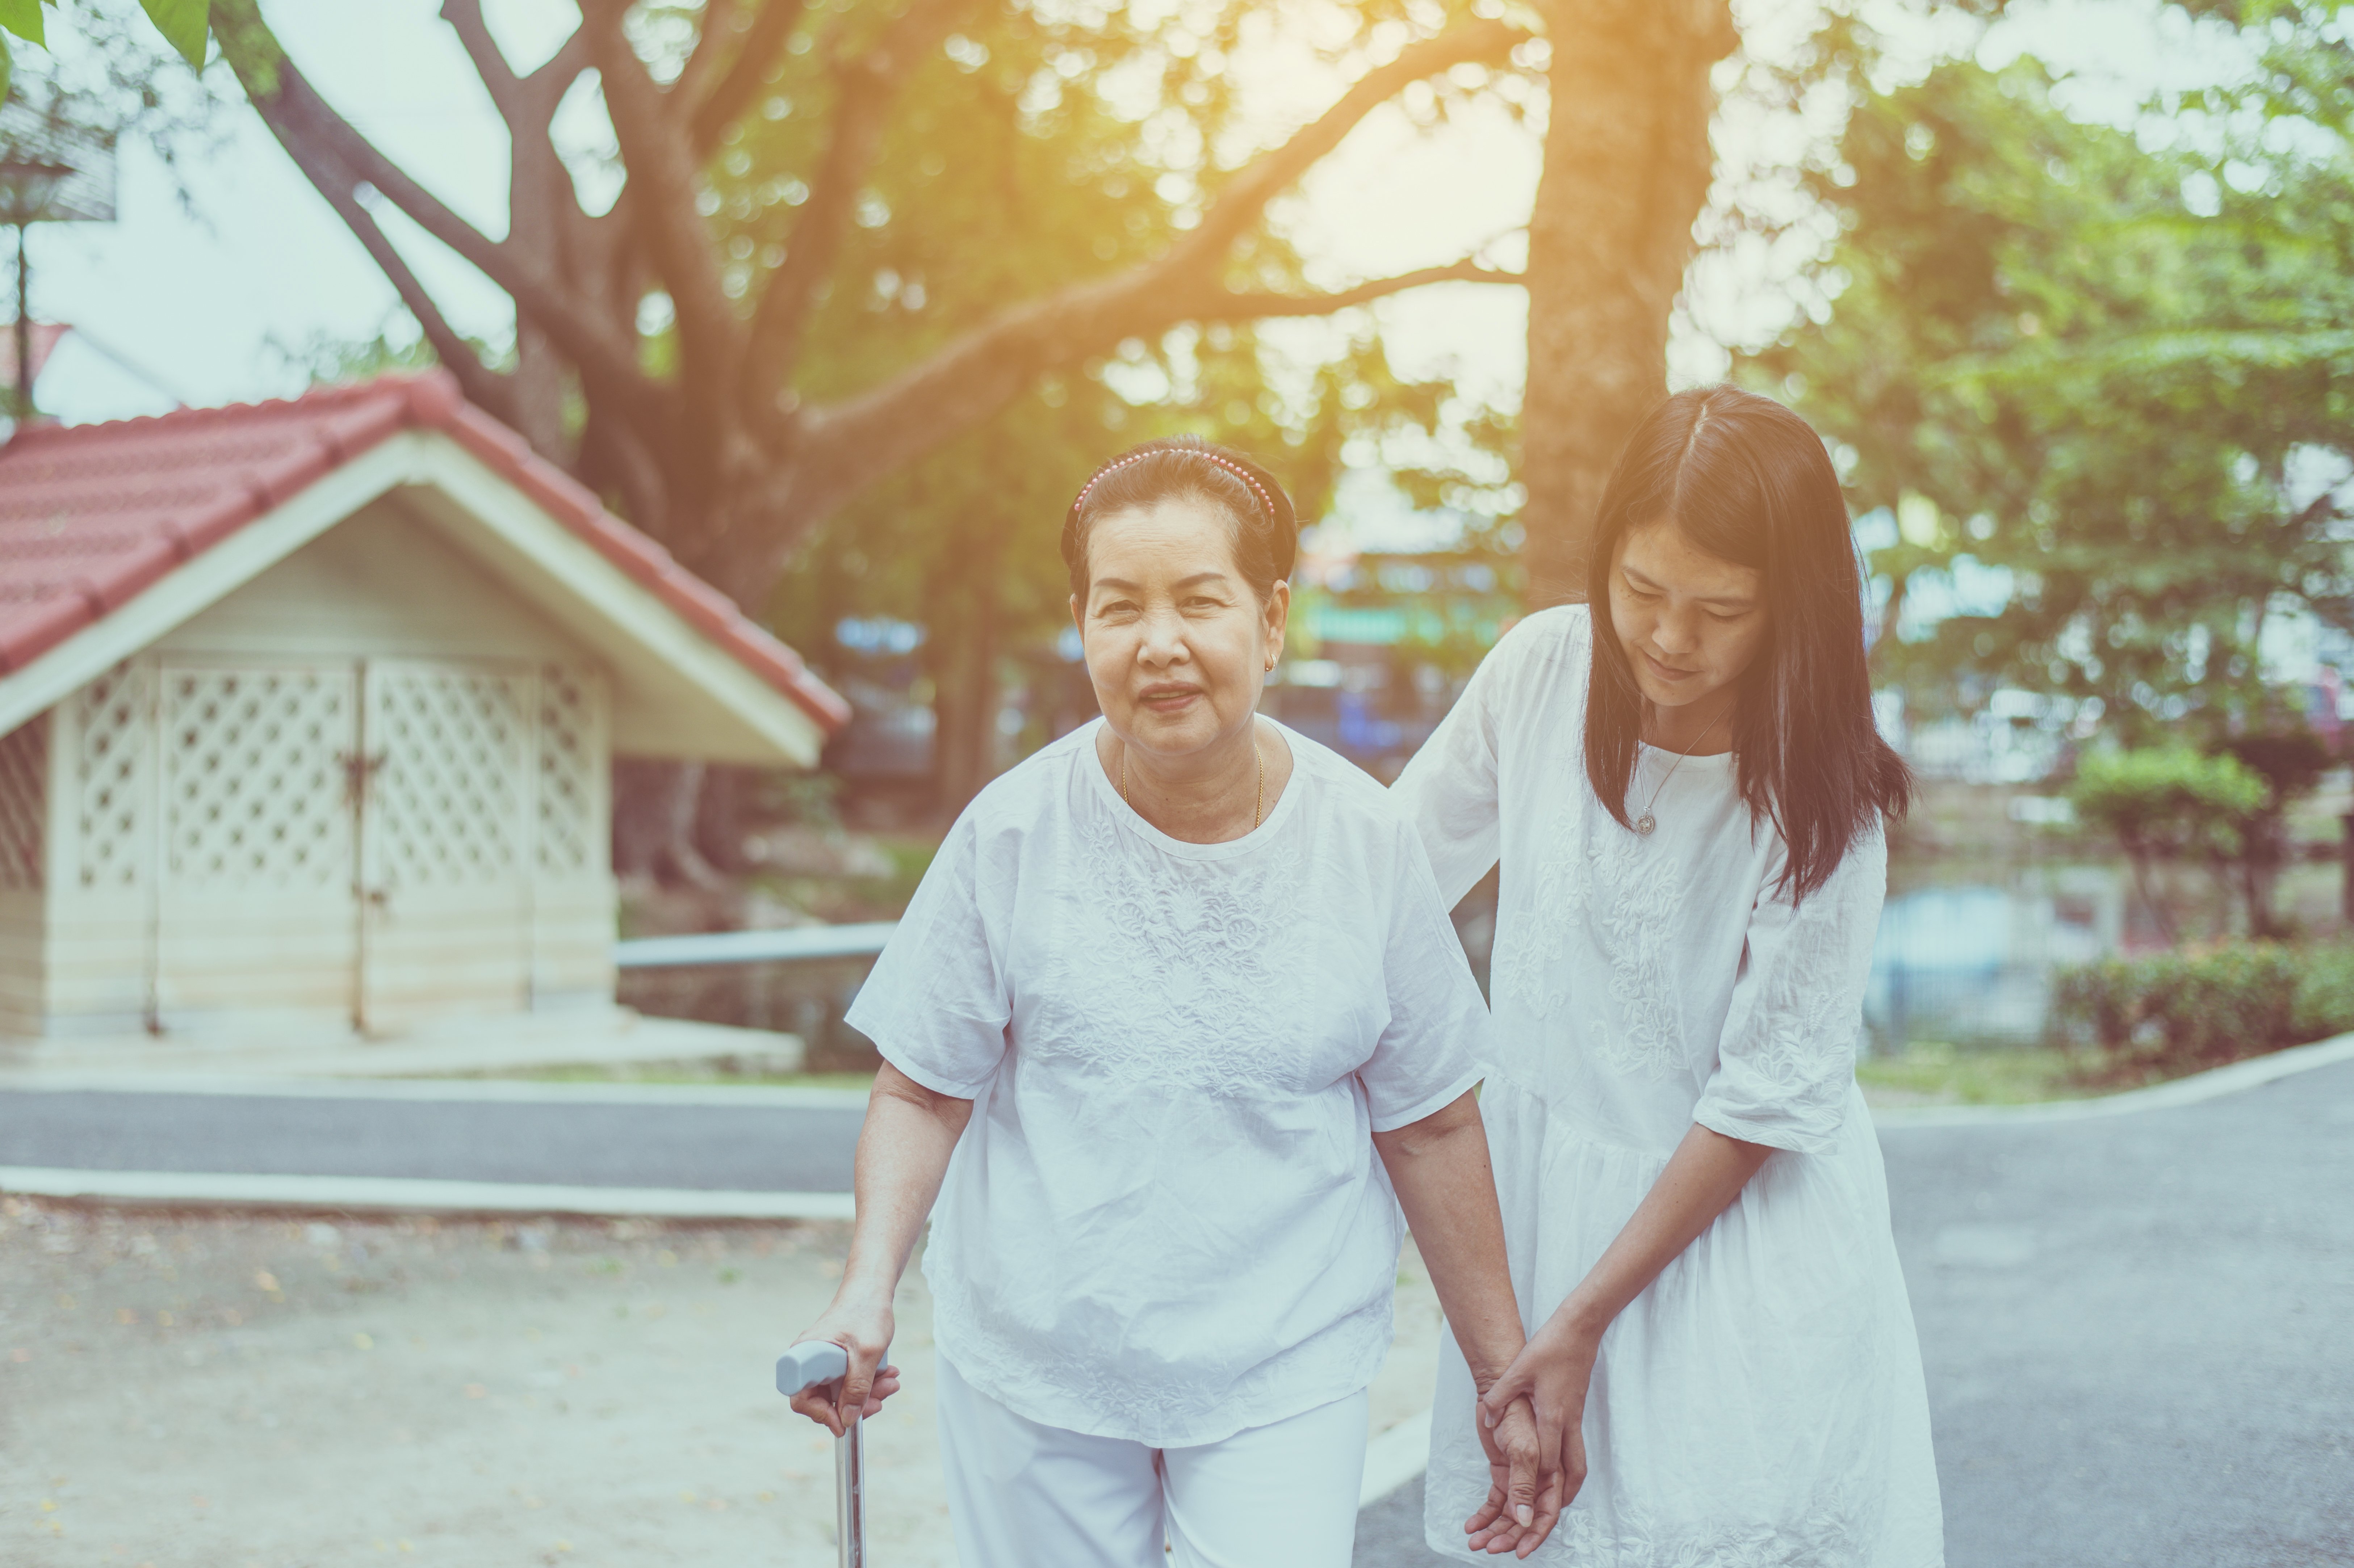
2140, 1330
2139, 1335
578, 1142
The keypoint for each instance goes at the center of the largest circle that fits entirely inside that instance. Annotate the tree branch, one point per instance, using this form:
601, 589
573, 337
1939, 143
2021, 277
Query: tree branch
1246, 195
528, 101
852, 443
484, 387
508, 95
1243, 307
555, 75
327, 149
869, 84
664, 177
719, 23
746, 73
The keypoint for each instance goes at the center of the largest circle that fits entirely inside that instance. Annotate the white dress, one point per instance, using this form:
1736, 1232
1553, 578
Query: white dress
1166, 1221
1761, 1404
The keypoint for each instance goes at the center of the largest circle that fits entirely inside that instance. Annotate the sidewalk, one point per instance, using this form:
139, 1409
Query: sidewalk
226, 1389
603, 1038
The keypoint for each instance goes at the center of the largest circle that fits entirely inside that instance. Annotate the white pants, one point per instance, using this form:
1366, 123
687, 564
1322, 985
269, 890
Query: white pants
1026, 1496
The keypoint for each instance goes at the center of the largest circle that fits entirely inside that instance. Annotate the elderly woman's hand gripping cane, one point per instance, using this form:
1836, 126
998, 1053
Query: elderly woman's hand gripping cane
902, 1152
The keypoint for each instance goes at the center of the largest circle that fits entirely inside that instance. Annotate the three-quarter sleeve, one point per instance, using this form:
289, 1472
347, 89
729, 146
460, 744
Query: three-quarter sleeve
1448, 787
937, 1004
1786, 1058
1433, 1047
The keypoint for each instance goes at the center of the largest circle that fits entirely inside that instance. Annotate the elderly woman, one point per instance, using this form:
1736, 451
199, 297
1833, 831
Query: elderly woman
1173, 1026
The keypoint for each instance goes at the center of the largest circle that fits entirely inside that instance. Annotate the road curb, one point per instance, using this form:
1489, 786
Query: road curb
1395, 1457
468, 1091
2214, 1084
181, 1189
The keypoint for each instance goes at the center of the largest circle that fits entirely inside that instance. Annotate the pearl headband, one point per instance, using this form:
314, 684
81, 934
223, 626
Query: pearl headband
1266, 502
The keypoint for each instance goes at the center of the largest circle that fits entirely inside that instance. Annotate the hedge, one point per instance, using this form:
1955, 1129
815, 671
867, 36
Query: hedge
2196, 1007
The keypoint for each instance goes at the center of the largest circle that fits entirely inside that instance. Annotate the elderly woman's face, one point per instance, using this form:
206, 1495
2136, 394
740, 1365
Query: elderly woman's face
1178, 646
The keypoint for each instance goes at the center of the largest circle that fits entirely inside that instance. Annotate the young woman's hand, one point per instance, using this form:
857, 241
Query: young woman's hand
1549, 1379
864, 1329
1520, 1487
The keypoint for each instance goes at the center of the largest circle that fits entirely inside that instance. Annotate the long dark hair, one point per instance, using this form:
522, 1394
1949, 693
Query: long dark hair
1745, 479
1267, 532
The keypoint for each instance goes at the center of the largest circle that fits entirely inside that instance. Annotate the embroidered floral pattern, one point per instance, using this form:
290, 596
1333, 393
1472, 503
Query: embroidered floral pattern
1188, 955
1761, 1404
1632, 902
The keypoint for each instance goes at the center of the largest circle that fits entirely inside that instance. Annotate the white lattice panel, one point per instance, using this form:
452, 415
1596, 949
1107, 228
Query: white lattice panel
255, 778
447, 805
24, 795
571, 763
113, 717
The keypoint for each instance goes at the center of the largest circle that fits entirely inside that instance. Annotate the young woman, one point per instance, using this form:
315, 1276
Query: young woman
1686, 793
1175, 1011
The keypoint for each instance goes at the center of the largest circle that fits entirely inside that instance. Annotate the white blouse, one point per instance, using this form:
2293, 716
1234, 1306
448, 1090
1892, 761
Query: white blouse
1166, 1221
1760, 1404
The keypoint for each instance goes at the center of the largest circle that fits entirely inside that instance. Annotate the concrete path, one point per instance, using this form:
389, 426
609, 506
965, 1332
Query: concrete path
2138, 1329
586, 1136
2138, 1326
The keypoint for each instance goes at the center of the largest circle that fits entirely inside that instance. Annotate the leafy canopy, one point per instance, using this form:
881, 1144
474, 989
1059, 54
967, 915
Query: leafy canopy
2114, 368
182, 22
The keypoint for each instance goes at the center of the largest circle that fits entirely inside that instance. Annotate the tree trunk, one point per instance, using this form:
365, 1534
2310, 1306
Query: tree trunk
1627, 168
723, 816
2145, 884
967, 694
654, 809
2260, 863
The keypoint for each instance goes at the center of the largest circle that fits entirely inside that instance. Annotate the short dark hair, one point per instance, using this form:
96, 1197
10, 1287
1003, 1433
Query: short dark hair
1266, 533
1747, 481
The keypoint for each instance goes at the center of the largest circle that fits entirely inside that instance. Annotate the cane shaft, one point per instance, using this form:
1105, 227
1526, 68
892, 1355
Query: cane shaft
850, 1492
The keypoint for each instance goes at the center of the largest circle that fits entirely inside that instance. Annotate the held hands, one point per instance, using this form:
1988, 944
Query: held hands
863, 1328
1543, 1392
1524, 1497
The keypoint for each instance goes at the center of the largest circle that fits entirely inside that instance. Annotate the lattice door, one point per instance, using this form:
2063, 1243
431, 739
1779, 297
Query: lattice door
255, 915
446, 840
24, 805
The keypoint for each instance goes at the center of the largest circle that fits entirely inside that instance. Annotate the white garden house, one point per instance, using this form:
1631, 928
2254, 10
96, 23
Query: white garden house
307, 711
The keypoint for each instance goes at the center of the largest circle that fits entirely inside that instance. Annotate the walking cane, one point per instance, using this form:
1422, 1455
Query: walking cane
805, 1367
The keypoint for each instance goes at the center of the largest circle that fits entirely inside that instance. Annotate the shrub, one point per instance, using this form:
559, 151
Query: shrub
2324, 994
2199, 1007
2177, 1012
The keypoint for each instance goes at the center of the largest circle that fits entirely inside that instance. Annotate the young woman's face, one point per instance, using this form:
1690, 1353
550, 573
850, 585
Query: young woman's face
1177, 644
1691, 623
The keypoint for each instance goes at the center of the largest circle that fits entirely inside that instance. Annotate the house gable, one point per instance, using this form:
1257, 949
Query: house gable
383, 583
114, 537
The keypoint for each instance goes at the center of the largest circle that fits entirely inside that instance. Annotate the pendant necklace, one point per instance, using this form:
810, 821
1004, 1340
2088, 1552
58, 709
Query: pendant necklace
1258, 805
1647, 823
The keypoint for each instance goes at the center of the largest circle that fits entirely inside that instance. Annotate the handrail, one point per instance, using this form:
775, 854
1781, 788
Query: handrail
863, 940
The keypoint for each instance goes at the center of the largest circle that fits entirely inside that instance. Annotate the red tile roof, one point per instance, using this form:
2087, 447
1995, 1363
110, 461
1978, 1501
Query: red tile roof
92, 514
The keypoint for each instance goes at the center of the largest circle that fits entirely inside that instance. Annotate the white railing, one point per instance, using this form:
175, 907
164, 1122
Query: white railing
796, 944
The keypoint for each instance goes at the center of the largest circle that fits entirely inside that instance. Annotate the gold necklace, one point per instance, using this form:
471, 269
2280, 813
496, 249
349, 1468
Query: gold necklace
1647, 823
1259, 804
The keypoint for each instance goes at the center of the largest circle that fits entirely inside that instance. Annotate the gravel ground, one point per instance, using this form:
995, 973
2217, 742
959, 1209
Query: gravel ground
207, 1390
217, 1391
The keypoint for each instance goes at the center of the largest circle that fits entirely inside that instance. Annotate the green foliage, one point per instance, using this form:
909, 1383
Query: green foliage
2092, 360
1937, 1072
328, 360
183, 24
2167, 800
2324, 993
2194, 1008
23, 17
1041, 148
